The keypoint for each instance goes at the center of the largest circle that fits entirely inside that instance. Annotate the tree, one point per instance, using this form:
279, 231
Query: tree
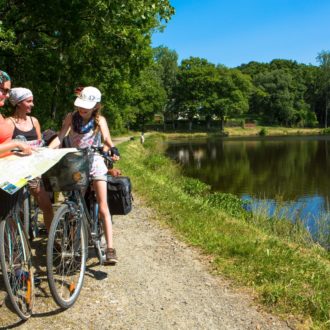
324, 81
54, 46
253, 68
167, 60
232, 90
192, 87
281, 97
149, 96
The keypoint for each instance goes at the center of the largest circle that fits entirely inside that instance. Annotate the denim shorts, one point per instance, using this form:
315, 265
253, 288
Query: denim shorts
100, 177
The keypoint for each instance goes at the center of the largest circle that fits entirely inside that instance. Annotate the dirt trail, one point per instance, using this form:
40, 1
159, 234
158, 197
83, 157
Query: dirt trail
159, 283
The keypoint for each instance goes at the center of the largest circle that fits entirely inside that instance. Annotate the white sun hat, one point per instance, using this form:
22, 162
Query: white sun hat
88, 98
19, 94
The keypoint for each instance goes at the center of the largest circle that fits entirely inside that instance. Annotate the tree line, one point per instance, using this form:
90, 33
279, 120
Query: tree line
52, 47
282, 92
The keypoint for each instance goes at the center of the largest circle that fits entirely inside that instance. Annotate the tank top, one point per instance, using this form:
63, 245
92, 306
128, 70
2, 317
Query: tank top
5, 134
98, 167
30, 135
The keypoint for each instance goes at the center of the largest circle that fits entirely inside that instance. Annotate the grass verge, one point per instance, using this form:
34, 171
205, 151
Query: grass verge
289, 274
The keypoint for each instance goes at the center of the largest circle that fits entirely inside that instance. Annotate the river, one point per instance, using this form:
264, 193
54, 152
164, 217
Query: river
286, 173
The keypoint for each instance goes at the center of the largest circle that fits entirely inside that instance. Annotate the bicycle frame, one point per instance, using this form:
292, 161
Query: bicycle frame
89, 217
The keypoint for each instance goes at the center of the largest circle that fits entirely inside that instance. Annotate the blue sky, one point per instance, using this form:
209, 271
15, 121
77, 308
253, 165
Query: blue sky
234, 32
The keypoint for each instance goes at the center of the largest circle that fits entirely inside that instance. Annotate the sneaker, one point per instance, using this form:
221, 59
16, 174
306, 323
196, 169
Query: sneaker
110, 257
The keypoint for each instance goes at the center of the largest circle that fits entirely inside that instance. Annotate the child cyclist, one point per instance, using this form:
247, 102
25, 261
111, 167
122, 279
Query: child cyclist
86, 127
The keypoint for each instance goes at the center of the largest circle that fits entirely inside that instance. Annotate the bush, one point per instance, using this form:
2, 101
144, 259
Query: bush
194, 187
155, 162
229, 203
263, 132
326, 131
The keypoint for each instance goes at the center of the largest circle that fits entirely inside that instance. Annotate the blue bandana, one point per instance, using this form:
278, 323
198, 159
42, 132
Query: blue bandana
79, 127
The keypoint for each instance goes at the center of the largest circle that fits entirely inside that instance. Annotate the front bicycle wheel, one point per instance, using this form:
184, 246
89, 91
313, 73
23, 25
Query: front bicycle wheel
16, 265
66, 256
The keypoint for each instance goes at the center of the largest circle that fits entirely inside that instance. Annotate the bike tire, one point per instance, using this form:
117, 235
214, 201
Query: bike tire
26, 208
16, 266
66, 256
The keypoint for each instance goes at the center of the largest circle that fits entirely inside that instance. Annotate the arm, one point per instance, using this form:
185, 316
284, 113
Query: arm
108, 144
63, 132
9, 121
37, 126
105, 134
8, 146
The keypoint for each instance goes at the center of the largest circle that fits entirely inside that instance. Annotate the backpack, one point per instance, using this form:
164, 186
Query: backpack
119, 194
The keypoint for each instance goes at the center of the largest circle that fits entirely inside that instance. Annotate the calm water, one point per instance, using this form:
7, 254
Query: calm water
295, 170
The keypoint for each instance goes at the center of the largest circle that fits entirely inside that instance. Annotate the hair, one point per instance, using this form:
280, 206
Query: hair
4, 77
96, 114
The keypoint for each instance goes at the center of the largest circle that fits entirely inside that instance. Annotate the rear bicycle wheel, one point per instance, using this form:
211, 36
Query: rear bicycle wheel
16, 266
66, 256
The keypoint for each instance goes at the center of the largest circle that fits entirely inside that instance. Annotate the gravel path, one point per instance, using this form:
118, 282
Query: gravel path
159, 283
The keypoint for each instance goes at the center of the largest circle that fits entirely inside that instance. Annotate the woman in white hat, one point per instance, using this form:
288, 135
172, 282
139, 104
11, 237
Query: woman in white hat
21, 100
86, 127
24, 125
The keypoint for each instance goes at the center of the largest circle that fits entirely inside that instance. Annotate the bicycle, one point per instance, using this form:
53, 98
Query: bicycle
16, 256
75, 226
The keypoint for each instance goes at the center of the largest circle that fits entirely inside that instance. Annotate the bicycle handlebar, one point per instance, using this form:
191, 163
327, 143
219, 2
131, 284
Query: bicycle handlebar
108, 160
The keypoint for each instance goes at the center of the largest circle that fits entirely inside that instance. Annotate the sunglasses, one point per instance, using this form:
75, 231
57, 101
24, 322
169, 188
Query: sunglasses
4, 91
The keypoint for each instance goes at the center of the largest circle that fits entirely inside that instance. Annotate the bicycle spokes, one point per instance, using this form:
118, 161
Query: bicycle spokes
66, 257
16, 266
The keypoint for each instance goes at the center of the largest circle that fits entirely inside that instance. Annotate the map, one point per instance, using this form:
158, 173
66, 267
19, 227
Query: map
16, 170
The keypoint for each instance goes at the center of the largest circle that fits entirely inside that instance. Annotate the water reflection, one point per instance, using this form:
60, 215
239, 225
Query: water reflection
289, 169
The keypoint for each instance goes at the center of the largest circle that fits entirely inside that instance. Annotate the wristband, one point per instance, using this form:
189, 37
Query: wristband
105, 153
114, 151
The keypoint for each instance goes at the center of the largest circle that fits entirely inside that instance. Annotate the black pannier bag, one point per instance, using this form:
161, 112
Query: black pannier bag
119, 195
7, 202
70, 173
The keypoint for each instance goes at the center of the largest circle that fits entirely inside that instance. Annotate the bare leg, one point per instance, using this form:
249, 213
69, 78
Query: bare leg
45, 204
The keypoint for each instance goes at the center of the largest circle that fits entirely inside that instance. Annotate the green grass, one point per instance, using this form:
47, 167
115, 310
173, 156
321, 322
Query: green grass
277, 260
